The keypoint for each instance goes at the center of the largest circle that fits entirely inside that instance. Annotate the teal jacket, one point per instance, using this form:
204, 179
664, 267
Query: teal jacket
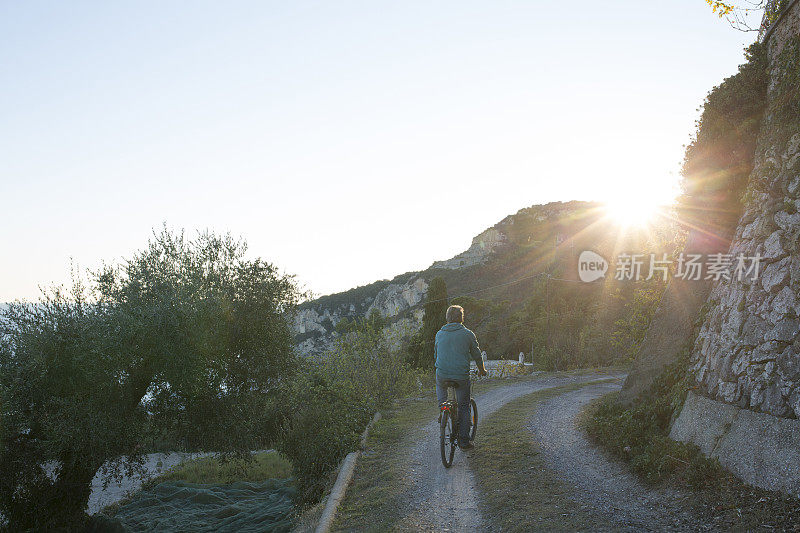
453, 347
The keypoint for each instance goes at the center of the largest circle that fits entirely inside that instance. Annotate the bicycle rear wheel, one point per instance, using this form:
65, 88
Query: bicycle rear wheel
474, 410
447, 439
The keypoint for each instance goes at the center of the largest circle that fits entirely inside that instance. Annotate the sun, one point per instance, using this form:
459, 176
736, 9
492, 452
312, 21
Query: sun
635, 211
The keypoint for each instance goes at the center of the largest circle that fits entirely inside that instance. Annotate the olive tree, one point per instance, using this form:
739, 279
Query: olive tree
185, 341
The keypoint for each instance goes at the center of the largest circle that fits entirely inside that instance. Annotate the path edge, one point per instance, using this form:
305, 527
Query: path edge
346, 471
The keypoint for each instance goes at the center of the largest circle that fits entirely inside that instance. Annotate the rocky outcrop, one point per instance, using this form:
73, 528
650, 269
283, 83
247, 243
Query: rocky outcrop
314, 324
481, 249
395, 299
399, 301
748, 350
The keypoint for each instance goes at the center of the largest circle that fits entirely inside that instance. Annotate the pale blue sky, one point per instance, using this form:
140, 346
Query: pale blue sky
339, 138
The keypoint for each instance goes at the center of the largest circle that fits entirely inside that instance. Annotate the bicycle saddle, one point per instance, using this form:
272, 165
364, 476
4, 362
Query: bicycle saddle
450, 383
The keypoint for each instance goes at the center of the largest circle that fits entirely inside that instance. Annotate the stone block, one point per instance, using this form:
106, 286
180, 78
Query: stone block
753, 331
701, 424
787, 222
794, 186
776, 274
772, 246
783, 305
788, 365
784, 331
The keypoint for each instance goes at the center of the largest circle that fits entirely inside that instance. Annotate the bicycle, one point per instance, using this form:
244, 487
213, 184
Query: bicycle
449, 425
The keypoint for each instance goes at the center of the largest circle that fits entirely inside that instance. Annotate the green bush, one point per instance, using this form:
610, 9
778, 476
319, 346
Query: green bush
322, 425
421, 347
332, 399
631, 329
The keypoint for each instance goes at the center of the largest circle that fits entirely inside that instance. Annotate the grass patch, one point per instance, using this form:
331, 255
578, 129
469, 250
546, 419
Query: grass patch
221, 471
639, 434
518, 492
375, 497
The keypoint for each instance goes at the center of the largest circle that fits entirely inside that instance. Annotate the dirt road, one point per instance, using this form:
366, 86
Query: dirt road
446, 499
606, 488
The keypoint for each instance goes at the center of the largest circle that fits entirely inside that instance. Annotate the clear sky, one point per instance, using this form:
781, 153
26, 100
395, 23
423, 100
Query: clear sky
345, 141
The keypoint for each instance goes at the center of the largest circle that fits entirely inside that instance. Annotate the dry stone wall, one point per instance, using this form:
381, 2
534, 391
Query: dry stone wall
748, 350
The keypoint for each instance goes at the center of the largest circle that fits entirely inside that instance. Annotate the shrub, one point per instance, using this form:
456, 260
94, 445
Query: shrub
639, 434
421, 348
333, 398
322, 425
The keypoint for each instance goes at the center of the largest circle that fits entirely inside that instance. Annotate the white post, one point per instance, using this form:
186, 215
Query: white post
521, 358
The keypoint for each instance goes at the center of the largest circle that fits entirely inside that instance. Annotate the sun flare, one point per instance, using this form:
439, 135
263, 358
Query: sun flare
635, 211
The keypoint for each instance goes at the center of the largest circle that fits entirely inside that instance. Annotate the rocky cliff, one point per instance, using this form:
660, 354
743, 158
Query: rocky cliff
482, 245
506, 251
397, 300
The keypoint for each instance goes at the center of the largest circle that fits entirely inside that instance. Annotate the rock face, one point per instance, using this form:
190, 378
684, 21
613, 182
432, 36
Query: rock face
399, 301
314, 325
748, 350
482, 247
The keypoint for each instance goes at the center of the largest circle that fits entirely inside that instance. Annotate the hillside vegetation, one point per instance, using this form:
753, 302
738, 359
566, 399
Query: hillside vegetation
526, 295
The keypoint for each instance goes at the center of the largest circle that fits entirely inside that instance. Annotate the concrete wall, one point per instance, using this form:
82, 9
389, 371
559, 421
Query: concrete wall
761, 449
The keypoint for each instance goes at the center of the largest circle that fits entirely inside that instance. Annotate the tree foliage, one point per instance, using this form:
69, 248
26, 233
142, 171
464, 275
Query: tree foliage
748, 15
719, 160
372, 322
187, 340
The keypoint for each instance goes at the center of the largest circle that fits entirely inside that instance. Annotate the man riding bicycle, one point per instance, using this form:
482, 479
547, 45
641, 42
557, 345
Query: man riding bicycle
453, 347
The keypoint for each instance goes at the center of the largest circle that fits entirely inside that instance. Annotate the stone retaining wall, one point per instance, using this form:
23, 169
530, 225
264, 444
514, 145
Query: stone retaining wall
748, 350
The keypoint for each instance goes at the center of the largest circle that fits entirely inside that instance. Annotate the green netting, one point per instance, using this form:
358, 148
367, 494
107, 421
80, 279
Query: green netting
181, 506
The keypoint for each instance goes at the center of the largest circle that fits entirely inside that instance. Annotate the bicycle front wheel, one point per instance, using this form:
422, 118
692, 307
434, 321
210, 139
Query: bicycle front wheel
474, 409
447, 439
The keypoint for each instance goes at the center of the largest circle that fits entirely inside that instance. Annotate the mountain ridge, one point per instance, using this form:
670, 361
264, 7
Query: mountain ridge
533, 239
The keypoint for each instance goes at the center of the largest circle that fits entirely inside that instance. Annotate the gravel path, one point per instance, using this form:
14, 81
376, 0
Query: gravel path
601, 485
446, 499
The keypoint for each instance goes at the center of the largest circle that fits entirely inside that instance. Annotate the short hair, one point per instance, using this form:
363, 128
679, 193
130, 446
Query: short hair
455, 313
